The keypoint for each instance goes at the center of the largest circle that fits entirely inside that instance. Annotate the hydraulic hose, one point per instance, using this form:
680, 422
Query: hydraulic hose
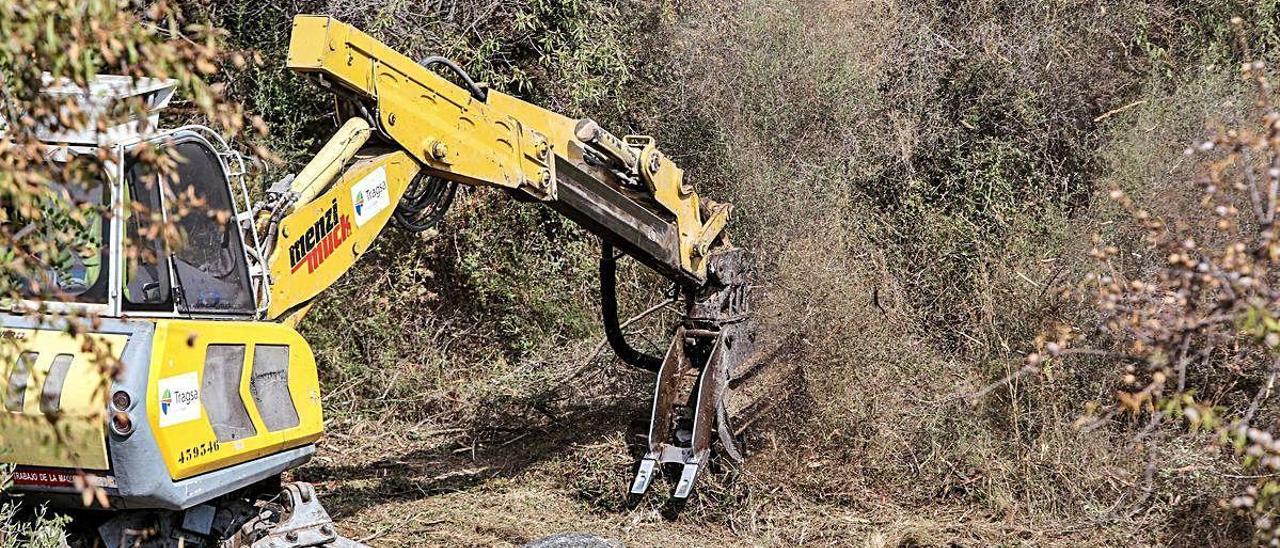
476, 90
609, 312
424, 204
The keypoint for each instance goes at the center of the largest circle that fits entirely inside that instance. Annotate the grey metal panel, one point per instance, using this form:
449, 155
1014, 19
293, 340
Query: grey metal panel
220, 394
184, 494
19, 375
610, 214
269, 384
51, 391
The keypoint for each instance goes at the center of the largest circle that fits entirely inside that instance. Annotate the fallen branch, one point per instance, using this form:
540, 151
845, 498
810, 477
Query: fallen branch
1261, 396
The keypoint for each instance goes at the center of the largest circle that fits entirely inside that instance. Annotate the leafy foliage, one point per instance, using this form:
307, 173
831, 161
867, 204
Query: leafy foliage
24, 528
1191, 323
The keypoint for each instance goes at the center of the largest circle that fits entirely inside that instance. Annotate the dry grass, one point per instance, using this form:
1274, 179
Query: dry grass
412, 491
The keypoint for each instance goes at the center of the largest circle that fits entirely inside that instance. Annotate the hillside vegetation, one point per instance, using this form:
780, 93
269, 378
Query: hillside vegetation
921, 184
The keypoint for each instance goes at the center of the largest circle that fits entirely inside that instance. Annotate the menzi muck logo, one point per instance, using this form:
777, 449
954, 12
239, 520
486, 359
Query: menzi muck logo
321, 240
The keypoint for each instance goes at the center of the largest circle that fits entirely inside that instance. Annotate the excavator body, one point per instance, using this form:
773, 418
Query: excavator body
142, 373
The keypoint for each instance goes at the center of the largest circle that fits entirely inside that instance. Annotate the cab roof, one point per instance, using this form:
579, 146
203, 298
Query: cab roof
104, 93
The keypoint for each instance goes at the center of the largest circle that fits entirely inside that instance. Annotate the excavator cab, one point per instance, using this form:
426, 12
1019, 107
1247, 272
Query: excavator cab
209, 266
133, 363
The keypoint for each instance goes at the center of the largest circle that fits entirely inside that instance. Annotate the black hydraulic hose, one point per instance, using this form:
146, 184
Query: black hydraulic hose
478, 92
424, 203
609, 312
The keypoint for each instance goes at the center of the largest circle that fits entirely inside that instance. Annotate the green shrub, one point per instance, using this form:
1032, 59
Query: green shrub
24, 528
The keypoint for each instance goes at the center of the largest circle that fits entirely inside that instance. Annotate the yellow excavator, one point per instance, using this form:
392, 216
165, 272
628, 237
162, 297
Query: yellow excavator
218, 394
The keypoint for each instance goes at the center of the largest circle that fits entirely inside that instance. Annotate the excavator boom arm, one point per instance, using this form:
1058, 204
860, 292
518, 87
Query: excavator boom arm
438, 133
623, 190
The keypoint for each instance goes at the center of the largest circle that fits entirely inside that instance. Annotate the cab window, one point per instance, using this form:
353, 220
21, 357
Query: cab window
72, 263
209, 261
146, 281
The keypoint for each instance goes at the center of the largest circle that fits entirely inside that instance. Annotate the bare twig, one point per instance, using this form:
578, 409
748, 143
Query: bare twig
1116, 111
1182, 362
1261, 396
1026, 370
1148, 480
591, 358
1149, 475
1255, 196
1100, 421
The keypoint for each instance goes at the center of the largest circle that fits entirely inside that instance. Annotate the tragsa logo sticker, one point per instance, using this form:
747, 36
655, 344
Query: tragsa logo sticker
370, 196
359, 203
179, 399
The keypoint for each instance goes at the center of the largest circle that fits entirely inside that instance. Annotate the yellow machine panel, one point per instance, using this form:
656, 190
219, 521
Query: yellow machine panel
54, 395
225, 392
446, 129
320, 241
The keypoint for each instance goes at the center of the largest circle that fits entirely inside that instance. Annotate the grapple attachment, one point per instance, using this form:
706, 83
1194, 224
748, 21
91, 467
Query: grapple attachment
691, 396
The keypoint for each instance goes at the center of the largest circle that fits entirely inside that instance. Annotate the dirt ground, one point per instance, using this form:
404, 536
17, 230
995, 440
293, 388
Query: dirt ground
401, 485
404, 485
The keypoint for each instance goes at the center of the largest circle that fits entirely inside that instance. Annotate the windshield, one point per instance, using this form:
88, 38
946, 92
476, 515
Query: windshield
209, 262
64, 239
